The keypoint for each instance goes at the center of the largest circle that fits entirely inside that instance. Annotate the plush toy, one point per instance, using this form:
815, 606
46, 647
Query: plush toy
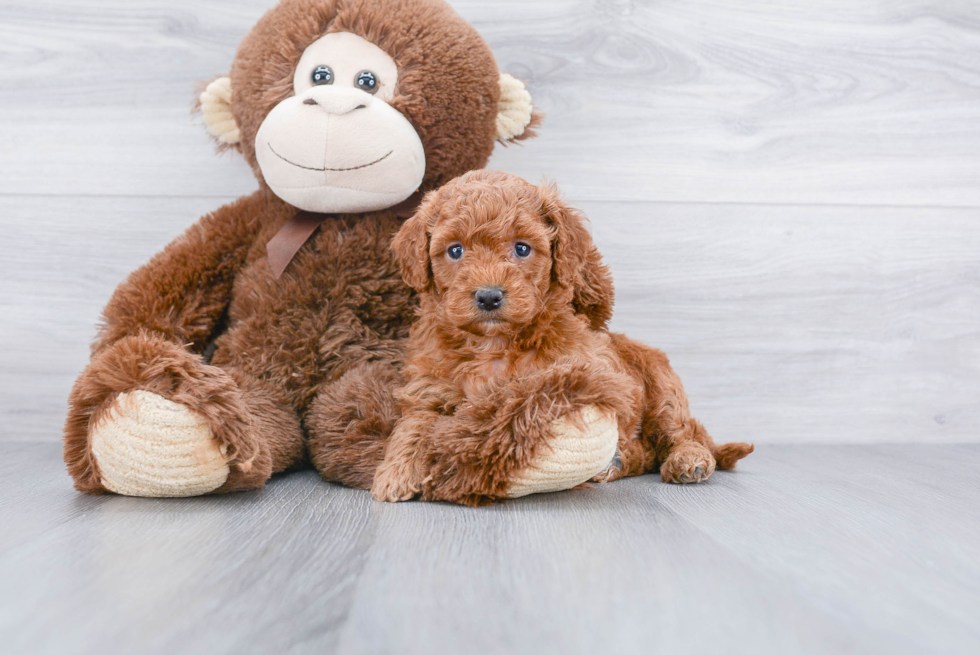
270, 335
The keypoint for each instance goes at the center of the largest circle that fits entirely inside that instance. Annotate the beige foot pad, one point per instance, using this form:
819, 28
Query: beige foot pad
146, 445
575, 455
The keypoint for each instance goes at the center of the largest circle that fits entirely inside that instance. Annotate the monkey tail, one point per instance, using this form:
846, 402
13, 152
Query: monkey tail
727, 455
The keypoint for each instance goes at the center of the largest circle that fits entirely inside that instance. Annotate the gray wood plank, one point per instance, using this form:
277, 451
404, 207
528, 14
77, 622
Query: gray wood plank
606, 570
799, 323
38, 495
867, 102
864, 102
786, 323
268, 571
62, 259
805, 549
905, 557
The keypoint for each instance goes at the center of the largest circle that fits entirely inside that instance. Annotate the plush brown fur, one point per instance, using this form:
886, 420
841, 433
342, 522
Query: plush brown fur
485, 385
301, 368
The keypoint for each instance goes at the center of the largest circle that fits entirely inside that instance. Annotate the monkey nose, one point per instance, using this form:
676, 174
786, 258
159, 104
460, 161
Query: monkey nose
337, 100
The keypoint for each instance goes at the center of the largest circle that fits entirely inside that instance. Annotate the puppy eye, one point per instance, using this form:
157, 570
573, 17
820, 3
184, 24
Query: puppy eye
455, 251
322, 75
367, 81
522, 250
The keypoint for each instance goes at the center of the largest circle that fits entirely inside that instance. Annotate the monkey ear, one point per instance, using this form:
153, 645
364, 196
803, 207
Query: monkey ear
215, 105
516, 117
576, 262
411, 245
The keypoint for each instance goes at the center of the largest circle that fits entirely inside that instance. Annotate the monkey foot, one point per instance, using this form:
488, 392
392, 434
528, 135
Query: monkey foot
146, 445
580, 449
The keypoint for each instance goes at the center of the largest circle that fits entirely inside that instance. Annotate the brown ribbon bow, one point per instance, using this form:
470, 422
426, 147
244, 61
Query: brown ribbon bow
297, 230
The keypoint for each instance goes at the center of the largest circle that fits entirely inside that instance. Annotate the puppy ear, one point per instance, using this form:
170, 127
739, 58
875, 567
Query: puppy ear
214, 103
411, 245
595, 294
576, 262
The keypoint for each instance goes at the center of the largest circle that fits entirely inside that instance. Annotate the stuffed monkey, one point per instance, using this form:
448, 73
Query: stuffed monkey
269, 336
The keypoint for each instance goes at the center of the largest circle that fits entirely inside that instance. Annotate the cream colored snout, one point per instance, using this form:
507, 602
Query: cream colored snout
338, 149
337, 100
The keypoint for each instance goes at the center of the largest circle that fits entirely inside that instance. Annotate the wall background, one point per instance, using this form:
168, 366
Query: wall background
789, 196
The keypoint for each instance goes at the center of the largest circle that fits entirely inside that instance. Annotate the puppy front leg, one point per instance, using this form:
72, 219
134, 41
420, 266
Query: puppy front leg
550, 430
405, 464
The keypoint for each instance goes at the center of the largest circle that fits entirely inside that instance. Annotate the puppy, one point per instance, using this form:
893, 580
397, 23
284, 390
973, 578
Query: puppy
510, 338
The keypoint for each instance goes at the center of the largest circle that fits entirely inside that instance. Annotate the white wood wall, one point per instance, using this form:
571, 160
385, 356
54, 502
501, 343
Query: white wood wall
788, 192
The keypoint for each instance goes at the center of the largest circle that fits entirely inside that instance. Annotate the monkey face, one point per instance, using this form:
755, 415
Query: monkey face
349, 107
337, 145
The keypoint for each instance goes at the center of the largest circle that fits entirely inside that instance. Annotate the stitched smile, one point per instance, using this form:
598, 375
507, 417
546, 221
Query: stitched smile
335, 170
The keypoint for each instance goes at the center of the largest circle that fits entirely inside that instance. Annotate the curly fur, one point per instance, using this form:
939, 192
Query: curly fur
485, 385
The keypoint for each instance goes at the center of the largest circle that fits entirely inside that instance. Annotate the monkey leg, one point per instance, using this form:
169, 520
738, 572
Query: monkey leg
149, 418
669, 438
350, 420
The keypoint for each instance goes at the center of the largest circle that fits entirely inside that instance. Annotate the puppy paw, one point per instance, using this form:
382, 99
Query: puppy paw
689, 462
393, 486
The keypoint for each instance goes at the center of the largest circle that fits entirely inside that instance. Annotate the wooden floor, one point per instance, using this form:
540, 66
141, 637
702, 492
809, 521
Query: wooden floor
805, 549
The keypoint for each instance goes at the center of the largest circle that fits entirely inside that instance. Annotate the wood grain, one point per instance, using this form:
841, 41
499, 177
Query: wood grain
176, 576
786, 323
804, 549
862, 102
806, 323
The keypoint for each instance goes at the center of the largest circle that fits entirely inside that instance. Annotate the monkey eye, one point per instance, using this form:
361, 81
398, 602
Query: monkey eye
367, 81
522, 250
322, 75
455, 251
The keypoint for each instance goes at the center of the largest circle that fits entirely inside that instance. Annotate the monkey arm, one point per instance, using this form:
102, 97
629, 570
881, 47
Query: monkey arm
181, 294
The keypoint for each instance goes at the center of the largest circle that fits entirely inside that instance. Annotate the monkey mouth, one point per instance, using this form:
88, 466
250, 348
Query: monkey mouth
333, 170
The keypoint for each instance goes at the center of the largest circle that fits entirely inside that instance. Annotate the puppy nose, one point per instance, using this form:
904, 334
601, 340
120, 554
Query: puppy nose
489, 298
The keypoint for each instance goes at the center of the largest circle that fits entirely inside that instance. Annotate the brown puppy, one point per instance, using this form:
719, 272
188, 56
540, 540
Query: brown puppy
498, 352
